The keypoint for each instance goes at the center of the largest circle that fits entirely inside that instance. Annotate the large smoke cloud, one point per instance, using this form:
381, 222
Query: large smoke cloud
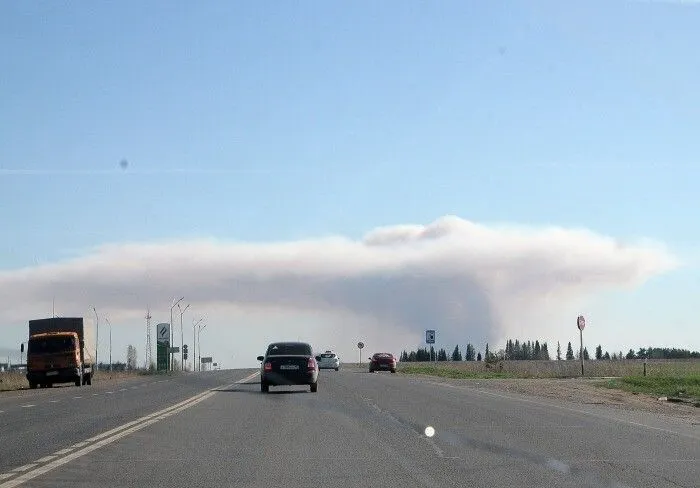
454, 275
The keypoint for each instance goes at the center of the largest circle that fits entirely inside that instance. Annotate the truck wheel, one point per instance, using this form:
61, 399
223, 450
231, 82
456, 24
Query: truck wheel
264, 387
314, 387
89, 379
393, 371
32, 385
336, 369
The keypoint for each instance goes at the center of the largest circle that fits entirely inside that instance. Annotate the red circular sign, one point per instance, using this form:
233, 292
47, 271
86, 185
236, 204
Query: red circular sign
581, 322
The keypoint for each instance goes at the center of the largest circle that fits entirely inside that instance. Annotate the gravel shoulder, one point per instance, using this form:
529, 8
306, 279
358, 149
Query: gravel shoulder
581, 391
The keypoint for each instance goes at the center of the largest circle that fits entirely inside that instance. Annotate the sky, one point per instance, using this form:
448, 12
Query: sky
345, 171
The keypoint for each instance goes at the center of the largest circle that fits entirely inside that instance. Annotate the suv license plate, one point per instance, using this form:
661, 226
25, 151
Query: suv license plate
289, 366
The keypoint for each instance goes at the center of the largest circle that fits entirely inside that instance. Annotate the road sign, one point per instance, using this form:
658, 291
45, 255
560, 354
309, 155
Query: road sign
430, 337
163, 332
175, 349
581, 322
206, 360
360, 345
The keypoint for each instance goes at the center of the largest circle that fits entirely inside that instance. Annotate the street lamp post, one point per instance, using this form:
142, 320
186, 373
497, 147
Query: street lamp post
194, 343
97, 337
110, 343
172, 356
199, 342
182, 337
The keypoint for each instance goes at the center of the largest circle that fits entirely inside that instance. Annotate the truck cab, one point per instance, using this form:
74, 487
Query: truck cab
58, 357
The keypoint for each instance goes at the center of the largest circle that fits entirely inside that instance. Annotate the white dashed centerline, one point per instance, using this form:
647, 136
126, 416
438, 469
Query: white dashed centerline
28, 406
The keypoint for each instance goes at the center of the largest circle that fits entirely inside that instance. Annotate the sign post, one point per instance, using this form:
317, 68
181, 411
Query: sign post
581, 324
430, 339
163, 347
360, 346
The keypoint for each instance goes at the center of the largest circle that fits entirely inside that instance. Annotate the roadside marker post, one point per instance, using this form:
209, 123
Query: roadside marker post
360, 346
581, 324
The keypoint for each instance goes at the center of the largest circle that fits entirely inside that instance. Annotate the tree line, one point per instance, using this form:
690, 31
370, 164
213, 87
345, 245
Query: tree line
539, 350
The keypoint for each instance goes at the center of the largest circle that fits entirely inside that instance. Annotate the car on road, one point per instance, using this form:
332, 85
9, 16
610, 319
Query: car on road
288, 363
382, 361
329, 360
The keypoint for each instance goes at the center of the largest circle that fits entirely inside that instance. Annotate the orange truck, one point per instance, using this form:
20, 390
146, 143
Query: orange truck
56, 353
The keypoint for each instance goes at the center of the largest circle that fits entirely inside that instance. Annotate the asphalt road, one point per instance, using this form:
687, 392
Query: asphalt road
360, 429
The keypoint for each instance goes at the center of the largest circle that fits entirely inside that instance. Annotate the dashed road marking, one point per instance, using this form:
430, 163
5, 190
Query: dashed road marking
30, 405
54, 401
76, 397
108, 392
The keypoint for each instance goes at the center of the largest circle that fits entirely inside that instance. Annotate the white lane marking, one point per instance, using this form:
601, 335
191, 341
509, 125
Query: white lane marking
108, 392
24, 468
76, 397
63, 451
79, 445
140, 424
95, 394
569, 409
247, 378
46, 458
54, 401
123, 389
28, 406
1, 411
6, 475
134, 387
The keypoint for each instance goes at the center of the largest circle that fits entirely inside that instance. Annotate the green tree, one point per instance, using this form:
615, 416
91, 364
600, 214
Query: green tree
569, 352
487, 354
470, 353
456, 354
585, 354
442, 355
537, 350
606, 355
544, 354
478, 356
630, 354
599, 352
558, 351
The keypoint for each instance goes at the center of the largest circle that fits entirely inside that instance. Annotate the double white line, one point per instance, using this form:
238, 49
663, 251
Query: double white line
59, 458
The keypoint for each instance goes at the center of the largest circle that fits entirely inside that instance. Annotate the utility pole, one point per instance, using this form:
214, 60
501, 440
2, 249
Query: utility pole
172, 355
182, 337
110, 343
149, 352
199, 342
97, 337
194, 343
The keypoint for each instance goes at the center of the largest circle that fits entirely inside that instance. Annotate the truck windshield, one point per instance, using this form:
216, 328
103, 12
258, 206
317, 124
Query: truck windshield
51, 345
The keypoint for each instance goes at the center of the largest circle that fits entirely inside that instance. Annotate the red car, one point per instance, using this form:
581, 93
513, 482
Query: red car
382, 361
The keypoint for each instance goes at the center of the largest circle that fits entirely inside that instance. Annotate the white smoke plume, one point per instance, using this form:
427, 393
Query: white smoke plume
462, 278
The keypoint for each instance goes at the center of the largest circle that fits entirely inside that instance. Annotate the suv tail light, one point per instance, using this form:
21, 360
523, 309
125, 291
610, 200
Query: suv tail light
311, 364
268, 366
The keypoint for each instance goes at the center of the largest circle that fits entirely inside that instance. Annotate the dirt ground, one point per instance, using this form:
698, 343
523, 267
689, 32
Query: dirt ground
584, 391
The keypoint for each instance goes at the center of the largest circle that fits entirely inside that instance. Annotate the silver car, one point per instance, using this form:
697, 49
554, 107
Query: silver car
329, 360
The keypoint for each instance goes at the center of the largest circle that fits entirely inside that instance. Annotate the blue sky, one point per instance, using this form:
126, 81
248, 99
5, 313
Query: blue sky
301, 119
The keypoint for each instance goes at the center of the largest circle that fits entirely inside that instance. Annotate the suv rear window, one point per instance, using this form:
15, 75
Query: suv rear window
327, 355
289, 349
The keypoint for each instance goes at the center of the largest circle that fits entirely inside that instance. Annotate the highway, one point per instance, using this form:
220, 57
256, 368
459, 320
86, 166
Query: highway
359, 430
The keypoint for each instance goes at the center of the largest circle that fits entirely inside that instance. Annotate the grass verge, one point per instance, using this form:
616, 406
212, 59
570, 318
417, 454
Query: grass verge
668, 386
456, 373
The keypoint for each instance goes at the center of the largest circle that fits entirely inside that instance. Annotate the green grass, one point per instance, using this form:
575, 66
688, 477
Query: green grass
669, 386
455, 373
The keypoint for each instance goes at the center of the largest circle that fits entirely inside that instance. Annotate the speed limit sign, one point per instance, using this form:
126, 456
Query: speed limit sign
581, 322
